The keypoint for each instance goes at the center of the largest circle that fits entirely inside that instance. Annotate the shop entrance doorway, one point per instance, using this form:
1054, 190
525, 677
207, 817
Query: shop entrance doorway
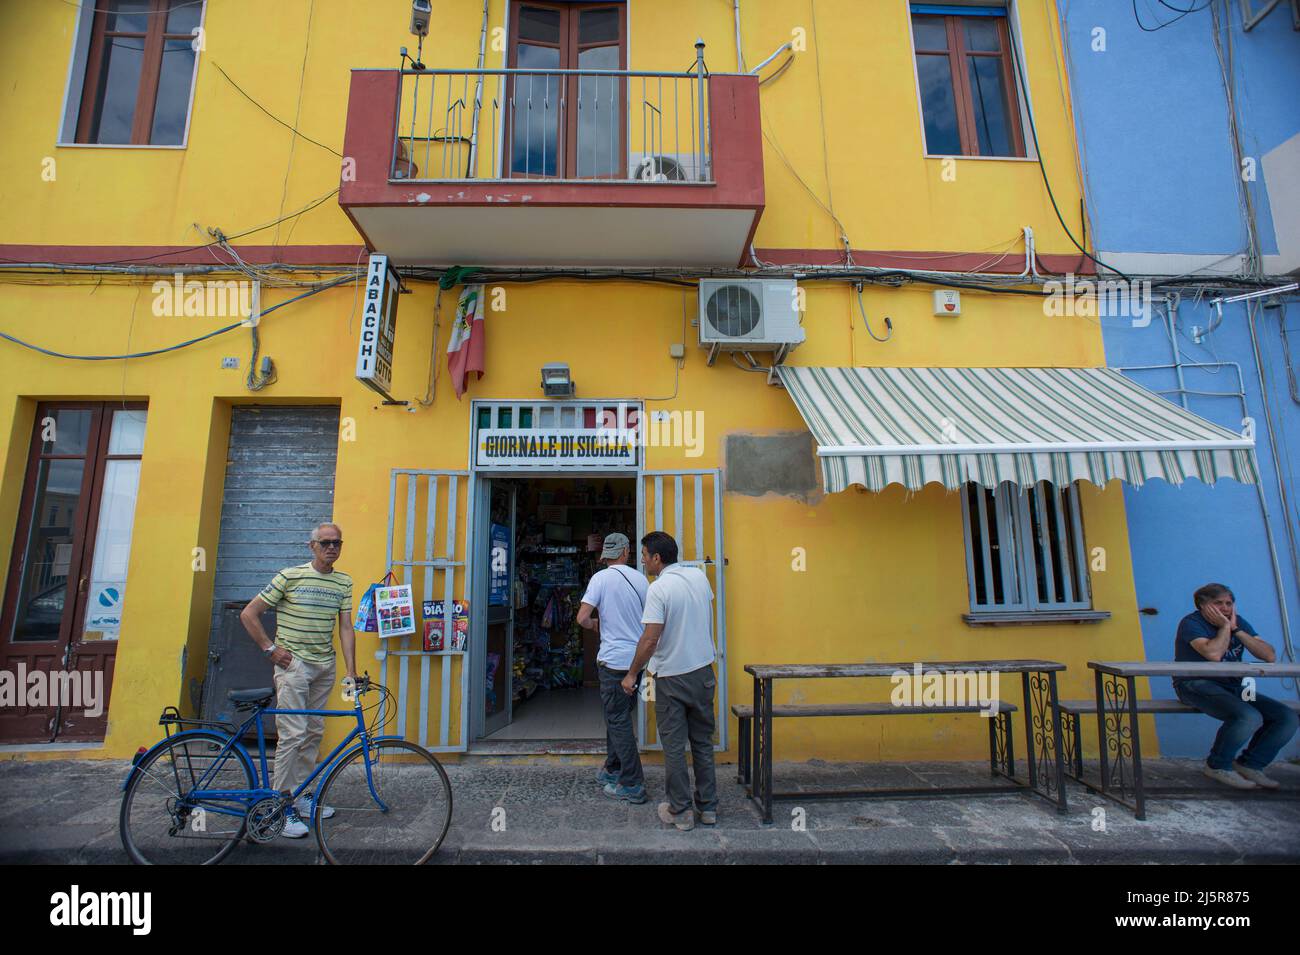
539, 544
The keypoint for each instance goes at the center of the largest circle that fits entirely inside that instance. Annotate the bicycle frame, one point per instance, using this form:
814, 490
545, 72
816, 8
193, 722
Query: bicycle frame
199, 797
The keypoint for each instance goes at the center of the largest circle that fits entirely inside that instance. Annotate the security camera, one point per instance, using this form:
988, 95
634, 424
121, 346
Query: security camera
421, 12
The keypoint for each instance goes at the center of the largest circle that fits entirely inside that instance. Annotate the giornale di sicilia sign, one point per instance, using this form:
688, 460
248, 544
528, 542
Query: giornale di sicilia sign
584, 449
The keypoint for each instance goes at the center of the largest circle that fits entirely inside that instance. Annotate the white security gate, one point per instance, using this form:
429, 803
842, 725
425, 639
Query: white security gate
688, 505
427, 547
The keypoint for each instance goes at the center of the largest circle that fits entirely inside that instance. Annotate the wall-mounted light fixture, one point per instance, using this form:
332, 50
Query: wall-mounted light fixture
556, 382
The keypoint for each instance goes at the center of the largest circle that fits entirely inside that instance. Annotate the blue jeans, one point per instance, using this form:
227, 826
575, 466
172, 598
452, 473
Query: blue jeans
1265, 722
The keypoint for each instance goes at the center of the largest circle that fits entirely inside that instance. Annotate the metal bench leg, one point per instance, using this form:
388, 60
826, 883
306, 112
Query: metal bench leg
742, 759
763, 766
1078, 747
993, 745
1139, 793
1011, 747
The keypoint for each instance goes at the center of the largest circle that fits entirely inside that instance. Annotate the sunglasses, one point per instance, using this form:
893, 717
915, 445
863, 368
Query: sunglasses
332, 542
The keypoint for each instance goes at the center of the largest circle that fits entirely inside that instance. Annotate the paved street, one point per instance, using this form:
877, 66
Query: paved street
66, 811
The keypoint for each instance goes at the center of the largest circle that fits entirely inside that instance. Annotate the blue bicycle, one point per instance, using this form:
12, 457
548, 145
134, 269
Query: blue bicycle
192, 797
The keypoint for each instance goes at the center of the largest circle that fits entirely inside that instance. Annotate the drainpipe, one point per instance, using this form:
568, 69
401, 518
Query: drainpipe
706, 155
1279, 588
740, 54
478, 95
1282, 492
1171, 323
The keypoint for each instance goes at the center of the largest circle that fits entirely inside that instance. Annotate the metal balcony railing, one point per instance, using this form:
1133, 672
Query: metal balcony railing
553, 125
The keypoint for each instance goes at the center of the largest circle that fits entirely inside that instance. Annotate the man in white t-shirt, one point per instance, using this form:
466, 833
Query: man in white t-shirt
616, 596
678, 646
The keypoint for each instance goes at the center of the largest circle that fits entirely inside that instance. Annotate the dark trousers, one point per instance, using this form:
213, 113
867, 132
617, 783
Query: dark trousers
684, 713
1266, 723
622, 756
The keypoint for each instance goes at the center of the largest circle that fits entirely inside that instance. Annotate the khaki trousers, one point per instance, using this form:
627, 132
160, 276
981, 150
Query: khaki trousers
299, 686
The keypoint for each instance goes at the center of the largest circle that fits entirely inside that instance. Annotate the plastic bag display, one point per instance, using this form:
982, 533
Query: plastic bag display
367, 619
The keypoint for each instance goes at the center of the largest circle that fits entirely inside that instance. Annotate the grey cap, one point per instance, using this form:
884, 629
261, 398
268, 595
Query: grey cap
615, 544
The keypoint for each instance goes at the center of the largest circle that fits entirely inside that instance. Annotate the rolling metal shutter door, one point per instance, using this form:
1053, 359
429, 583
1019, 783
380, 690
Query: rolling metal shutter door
279, 483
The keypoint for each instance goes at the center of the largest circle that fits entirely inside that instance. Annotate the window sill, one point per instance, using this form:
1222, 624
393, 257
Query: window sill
118, 146
1021, 618
985, 158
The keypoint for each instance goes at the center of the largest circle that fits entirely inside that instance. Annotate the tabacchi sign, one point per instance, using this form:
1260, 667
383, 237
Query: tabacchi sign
378, 326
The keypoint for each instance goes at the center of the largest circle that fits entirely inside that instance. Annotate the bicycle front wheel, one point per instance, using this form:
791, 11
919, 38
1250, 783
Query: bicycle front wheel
162, 823
403, 826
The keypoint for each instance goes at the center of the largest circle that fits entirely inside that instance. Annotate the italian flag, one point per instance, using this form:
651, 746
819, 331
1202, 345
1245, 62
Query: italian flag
466, 347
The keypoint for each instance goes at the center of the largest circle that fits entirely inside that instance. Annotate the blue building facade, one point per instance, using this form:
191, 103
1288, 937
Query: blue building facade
1189, 139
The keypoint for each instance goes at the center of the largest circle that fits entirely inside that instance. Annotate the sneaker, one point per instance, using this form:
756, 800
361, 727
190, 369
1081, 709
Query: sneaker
1228, 778
294, 827
708, 817
606, 778
632, 794
685, 821
304, 809
1256, 777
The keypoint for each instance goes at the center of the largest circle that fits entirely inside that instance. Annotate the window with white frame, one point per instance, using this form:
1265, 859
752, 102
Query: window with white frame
1025, 549
131, 78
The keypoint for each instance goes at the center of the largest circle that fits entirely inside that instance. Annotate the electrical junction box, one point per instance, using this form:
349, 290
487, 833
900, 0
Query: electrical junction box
947, 302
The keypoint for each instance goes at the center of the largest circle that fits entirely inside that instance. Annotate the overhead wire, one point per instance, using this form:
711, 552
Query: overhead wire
179, 345
297, 114
292, 128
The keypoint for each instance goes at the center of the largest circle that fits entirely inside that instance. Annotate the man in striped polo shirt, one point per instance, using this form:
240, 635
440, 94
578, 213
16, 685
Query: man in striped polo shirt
307, 599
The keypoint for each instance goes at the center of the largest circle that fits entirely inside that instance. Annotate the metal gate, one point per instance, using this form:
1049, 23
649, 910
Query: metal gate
279, 483
688, 505
427, 549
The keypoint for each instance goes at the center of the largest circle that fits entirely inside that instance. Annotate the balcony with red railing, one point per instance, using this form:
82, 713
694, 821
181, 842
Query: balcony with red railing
592, 168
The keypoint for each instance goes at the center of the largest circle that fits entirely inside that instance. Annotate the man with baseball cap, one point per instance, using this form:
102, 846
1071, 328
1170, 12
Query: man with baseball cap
616, 595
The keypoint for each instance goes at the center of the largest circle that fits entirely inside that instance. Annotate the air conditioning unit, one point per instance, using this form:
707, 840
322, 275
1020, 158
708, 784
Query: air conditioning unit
664, 167
750, 315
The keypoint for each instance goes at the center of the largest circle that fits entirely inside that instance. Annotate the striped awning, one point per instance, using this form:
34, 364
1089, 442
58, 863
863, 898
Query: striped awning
916, 426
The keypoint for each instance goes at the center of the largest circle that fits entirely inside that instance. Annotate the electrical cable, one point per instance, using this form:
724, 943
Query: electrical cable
677, 374
1181, 13
293, 139
826, 150
196, 248
171, 348
779, 70
1042, 167
889, 326
292, 129
427, 400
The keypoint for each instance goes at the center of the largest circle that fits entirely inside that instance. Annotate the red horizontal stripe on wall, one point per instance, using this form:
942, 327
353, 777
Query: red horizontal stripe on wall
181, 254
349, 254
1013, 264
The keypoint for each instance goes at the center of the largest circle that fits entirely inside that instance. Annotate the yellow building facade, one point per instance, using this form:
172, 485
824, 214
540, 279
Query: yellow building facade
838, 175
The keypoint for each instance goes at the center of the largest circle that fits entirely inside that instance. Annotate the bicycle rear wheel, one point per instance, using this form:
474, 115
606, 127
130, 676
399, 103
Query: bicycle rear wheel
161, 824
412, 821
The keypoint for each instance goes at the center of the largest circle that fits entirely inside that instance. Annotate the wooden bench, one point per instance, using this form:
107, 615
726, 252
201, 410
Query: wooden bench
745, 714
1071, 710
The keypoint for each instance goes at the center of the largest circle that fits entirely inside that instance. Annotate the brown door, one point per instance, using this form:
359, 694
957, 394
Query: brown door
571, 127
60, 623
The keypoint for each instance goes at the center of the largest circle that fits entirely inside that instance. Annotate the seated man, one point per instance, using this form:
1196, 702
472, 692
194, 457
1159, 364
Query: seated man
1215, 633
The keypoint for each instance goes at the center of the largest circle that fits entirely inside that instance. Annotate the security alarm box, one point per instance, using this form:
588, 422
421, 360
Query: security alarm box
947, 302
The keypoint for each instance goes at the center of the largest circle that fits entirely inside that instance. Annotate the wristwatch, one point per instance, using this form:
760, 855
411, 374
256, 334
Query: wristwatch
269, 650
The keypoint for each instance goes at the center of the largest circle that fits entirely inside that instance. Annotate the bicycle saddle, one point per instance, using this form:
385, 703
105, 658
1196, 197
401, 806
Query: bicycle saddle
250, 696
